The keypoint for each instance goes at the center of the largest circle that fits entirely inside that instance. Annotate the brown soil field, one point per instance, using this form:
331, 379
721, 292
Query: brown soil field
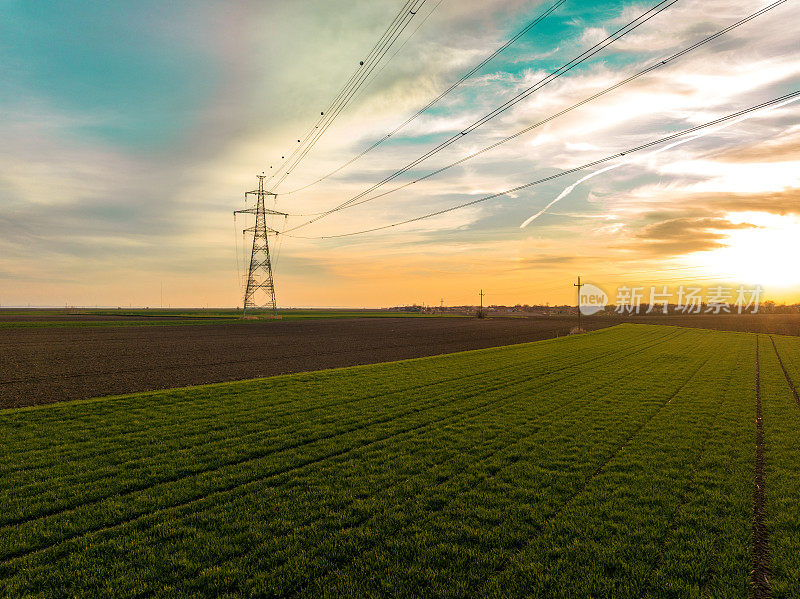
50, 364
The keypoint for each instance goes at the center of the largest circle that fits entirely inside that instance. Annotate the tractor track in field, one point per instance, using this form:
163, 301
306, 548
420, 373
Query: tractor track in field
261, 455
785, 373
363, 520
238, 485
761, 572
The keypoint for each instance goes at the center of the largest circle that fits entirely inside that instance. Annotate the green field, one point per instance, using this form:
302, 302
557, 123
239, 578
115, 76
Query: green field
161, 317
615, 463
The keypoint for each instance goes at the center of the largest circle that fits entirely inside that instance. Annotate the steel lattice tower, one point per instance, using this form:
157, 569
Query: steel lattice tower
260, 290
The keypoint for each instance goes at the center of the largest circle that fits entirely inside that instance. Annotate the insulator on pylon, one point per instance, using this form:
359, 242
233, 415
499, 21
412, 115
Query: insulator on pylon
361, 63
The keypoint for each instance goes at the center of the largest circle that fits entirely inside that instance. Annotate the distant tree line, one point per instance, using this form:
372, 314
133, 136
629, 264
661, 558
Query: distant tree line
767, 307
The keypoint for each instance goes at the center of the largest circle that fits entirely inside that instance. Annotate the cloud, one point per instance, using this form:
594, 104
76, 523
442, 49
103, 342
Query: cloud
680, 236
549, 260
779, 150
782, 202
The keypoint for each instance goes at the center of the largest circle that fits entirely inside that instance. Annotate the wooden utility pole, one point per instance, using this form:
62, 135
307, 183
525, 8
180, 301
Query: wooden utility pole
579, 285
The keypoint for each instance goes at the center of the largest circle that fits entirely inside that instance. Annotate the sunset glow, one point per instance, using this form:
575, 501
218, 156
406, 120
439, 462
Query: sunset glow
764, 251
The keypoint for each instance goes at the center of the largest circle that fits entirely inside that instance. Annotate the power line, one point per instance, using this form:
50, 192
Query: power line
349, 91
649, 69
632, 25
385, 47
395, 53
357, 77
351, 94
766, 104
452, 87
652, 67
326, 115
374, 76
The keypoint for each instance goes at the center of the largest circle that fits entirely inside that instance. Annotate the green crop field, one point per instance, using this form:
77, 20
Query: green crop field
160, 317
615, 463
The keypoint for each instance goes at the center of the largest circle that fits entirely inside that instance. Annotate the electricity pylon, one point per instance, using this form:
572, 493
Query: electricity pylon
260, 290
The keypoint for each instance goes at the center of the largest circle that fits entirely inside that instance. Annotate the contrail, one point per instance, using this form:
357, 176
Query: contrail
567, 190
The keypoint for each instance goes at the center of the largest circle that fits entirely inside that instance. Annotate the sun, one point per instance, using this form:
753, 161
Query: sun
764, 254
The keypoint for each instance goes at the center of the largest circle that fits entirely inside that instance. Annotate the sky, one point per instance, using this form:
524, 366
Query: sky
131, 131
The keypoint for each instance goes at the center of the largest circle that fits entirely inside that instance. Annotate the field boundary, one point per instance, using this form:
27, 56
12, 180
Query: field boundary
647, 343
222, 384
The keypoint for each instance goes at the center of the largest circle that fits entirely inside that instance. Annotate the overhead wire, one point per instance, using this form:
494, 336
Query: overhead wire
530, 25
584, 56
649, 69
389, 60
275, 261
781, 99
343, 90
343, 102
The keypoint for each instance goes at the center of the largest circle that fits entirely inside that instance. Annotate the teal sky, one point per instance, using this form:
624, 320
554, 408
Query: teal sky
127, 79
133, 128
